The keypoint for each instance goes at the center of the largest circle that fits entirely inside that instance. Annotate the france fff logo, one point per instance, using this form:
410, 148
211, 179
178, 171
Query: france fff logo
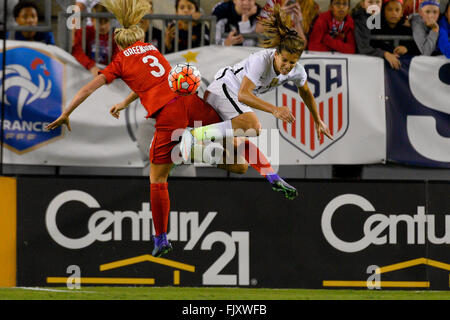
33, 98
328, 81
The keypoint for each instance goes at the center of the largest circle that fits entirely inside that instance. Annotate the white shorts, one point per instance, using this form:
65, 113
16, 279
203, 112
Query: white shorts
224, 101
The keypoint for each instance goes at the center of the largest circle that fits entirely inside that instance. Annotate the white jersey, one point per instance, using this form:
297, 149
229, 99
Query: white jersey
258, 67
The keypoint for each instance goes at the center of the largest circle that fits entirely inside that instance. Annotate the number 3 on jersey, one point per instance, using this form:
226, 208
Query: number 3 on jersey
155, 63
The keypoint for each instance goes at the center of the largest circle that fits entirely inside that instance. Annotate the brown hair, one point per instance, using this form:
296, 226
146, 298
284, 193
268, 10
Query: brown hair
310, 10
129, 13
278, 34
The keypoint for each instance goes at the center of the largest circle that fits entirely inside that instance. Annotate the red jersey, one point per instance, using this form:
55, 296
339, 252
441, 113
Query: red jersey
145, 70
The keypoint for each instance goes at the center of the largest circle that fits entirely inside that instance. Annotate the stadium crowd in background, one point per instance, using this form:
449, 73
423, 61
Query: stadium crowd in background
26, 13
191, 8
155, 32
87, 57
341, 28
393, 24
234, 19
333, 29
425, 27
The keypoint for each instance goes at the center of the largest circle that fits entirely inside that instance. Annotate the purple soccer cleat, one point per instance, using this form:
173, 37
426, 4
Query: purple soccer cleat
162, 245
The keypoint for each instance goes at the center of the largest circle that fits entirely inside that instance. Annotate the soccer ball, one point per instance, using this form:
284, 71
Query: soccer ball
184, 79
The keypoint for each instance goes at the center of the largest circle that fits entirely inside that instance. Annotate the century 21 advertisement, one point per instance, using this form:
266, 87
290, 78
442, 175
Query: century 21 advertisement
234, 232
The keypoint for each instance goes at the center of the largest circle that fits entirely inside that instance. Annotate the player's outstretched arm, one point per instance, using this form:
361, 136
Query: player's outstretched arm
81, 95
246, 96
308, 98
115, 110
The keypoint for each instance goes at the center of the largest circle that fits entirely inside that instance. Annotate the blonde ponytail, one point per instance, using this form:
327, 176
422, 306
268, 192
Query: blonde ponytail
279, 35
129, 13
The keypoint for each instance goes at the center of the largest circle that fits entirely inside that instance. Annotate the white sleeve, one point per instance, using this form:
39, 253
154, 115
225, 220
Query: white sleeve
300, 76
254, 68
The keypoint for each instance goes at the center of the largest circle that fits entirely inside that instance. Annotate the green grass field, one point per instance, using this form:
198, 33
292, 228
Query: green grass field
180, 293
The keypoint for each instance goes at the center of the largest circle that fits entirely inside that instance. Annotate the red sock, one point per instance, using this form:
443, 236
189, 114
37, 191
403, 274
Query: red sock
257, 159
160, 206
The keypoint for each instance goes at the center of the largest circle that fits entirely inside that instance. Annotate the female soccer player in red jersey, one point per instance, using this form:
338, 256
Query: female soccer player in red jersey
145, 70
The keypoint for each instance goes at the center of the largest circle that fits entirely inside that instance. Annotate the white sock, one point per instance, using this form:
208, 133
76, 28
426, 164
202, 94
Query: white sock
215, 131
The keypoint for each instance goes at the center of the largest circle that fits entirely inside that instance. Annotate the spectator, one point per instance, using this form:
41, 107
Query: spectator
87, 6
156, 33
191, 8
87, 58
26, 14
333, 29
303, 14
363, 34
444, 32
425, 27
392, 23
236, 18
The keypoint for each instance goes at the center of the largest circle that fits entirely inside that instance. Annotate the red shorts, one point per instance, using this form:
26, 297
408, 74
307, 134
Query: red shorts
172, 119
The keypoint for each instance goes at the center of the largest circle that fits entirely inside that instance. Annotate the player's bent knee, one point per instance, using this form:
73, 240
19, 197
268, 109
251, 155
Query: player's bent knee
254, 129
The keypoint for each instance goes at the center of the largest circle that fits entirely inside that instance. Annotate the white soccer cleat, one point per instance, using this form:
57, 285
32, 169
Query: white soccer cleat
186, 144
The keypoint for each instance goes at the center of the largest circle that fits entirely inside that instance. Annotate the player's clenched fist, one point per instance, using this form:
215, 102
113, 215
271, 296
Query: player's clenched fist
115, 110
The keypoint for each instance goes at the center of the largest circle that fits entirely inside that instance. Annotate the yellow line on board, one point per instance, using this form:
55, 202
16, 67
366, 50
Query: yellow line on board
412, 263
401, 265
176, 277
147, 257
385, 284
87, 280
438, 264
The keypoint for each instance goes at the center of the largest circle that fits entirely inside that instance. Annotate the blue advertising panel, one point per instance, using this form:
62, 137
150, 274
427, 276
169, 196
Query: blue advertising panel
418, 112
34, 82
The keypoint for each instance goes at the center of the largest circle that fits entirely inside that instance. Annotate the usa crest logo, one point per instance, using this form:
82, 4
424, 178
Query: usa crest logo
328, 81
34, 98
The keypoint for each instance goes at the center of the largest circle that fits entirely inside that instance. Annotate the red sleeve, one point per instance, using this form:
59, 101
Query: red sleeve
77, 50
319, 31
113, 70
346, 45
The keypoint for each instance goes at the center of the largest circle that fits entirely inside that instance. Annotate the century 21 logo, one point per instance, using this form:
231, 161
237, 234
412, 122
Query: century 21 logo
100, 222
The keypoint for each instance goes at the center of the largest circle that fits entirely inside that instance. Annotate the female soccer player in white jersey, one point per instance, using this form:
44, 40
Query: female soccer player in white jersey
234, 92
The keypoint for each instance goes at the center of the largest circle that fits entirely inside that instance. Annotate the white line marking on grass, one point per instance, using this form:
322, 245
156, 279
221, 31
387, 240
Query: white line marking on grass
52, 290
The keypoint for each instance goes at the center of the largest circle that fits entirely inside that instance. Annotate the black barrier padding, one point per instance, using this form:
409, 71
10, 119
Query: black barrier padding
287, 247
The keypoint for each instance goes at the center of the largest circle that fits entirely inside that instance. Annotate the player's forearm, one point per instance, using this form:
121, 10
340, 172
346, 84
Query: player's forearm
131, 98
253, 101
